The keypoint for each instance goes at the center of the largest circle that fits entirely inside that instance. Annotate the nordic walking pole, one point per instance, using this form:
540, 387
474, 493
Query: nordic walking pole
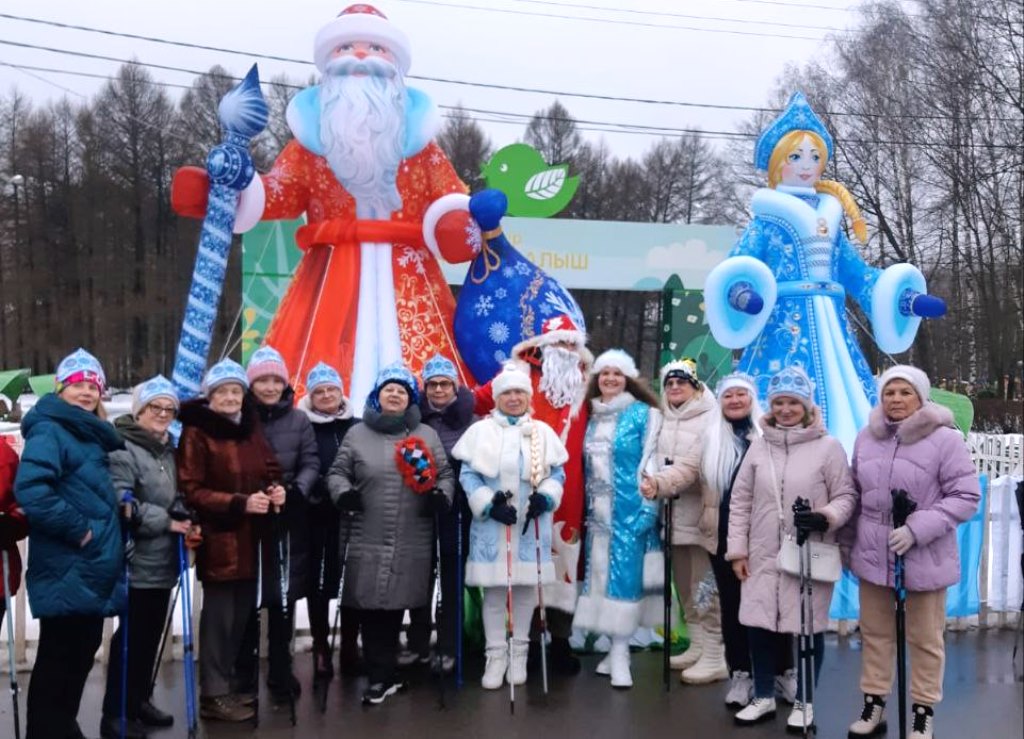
666, 669
542, 610
459, 597
282, 577
509, 625
321, 688
163, 639
10, 644
259, 606
902, 506
806, 618
337, 608
439, 610
127, 505
179, 512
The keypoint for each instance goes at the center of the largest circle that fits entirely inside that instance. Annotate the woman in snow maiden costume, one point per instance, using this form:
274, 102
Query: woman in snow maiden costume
910, 444
781, 293
624, 571
392, 474
330, 412
512, 474
794, 457
76, 558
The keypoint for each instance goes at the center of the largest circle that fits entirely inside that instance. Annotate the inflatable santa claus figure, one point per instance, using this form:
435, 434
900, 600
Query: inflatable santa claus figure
382, 204
558, 363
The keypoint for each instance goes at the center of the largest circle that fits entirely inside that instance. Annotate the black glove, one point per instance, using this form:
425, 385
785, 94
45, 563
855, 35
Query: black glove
538, 504
8, 531
350, 502
435, 504
130, 513
808, 521
179, 511
501, 511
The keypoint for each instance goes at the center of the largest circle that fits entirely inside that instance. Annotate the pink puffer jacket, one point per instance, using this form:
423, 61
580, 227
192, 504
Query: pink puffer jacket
806, 463
926, 456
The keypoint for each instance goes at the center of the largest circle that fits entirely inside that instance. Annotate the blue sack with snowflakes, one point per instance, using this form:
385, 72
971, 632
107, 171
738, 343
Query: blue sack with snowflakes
506, 298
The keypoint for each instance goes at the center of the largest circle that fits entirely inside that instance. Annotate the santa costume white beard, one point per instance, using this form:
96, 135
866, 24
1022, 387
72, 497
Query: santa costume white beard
362, 128
561, 379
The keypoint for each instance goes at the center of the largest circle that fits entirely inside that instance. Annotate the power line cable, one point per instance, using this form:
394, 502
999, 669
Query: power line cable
486, 85
587, 125
643, 24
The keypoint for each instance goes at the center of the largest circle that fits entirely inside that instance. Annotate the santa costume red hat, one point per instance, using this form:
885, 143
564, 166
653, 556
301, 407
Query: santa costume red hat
362, 22
556, 329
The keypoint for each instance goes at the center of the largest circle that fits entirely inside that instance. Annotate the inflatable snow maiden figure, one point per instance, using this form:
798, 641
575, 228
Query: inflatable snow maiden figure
781, 293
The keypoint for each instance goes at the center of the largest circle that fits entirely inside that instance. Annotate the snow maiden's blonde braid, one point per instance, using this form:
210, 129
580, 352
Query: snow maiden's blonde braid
536, 455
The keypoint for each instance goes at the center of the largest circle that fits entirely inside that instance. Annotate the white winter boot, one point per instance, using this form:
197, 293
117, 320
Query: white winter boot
711, 666
872, 718
619, 663
494, 670
689, 658
517, 665
604, 667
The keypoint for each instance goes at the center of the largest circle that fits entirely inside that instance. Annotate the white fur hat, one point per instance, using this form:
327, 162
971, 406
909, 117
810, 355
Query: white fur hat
510, 378
917, 378
618, 359
362, 22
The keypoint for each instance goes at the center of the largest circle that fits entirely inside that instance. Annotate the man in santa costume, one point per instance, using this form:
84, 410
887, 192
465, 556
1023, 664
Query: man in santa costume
558, 364
382, 204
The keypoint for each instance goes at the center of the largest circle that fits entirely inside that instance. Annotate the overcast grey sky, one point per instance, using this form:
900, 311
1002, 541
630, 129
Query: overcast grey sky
646, 49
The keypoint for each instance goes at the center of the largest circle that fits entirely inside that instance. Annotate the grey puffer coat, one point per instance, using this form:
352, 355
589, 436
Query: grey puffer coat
392, 544
290, 434
146, 467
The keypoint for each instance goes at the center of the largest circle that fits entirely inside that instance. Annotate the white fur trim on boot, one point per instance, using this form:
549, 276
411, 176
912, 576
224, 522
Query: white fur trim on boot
689, 658
619, 663
494, 670
517, 665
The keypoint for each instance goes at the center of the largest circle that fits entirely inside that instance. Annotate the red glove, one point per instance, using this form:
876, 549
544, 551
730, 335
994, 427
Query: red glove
190, 190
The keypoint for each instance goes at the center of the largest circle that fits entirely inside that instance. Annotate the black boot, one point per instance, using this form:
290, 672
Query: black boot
110, 728
562, 660
150, 715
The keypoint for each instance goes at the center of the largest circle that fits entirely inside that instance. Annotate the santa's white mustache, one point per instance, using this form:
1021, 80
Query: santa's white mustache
372, 66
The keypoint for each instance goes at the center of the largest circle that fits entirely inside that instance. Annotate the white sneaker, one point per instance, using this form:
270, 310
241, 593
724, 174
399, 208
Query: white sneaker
785, 686
494, 670
872, 718
741, 689
795, 722
758, 710
619, 664
604, 667
517, 665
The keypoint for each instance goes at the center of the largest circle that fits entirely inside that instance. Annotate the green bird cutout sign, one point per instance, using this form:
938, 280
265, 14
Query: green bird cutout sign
534, 188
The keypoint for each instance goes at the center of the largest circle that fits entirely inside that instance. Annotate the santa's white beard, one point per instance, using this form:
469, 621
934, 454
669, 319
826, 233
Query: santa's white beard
362, 128
561, 379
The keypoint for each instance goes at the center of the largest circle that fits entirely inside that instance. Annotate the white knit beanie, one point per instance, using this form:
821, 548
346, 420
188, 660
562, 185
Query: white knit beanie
510, 378
618, 359
917, 378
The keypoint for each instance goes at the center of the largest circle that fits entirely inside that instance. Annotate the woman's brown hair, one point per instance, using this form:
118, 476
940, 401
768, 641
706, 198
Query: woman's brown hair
637, 388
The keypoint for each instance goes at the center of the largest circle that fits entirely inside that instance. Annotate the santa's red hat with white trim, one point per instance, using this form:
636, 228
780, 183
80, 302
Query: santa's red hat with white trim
362, 22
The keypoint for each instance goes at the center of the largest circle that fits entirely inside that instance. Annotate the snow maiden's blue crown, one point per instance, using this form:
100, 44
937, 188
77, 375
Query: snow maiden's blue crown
798, 116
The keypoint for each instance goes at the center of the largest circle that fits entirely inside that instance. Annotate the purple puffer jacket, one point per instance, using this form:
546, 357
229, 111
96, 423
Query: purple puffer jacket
926, 456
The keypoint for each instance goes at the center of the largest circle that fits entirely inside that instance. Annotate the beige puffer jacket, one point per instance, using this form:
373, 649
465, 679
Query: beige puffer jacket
680, 445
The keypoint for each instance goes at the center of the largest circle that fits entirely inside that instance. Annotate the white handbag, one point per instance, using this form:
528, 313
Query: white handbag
826, 563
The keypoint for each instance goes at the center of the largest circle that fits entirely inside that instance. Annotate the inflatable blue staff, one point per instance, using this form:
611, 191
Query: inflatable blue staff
243, 115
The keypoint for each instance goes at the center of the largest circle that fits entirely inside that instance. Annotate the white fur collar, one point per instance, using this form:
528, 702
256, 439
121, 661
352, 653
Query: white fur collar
797, 213
306, 406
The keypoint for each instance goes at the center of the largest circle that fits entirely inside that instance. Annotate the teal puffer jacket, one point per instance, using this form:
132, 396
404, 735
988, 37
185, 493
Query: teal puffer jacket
64, 487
